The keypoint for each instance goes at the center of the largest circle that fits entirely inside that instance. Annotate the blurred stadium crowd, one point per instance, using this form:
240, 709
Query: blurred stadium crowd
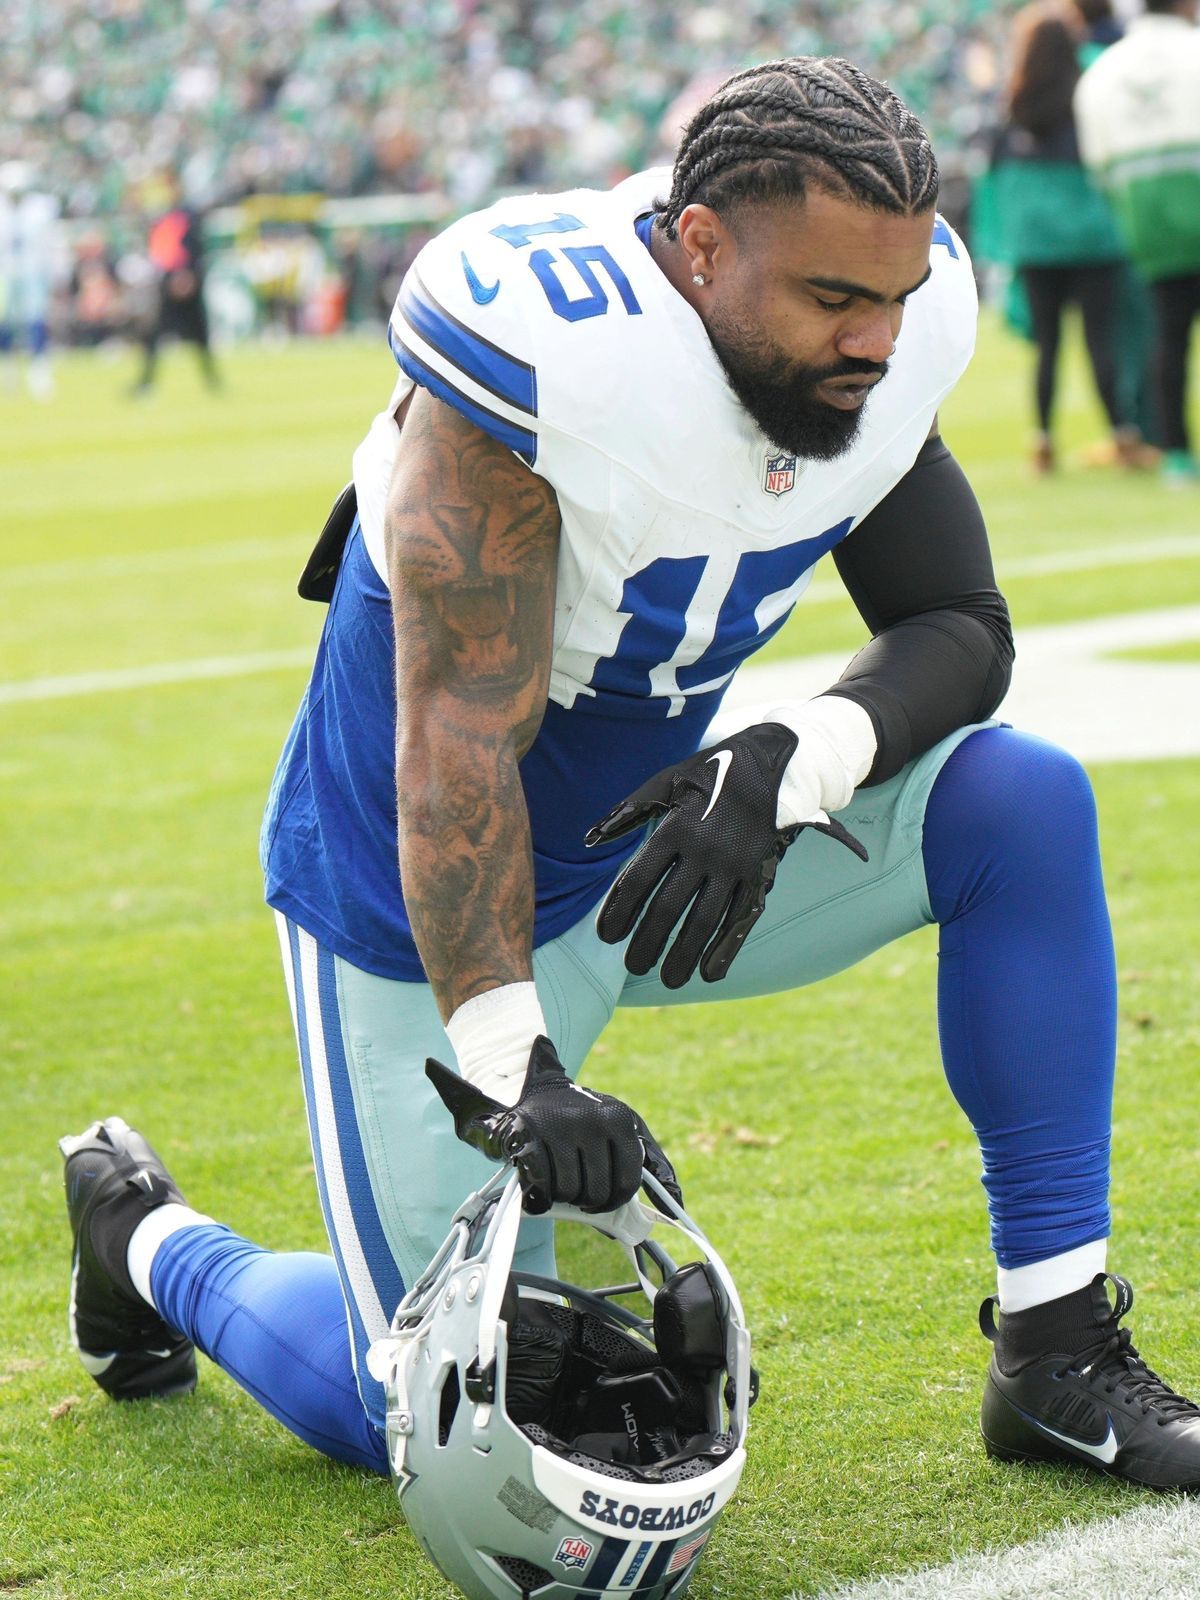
352, 97
449, 100
275, 167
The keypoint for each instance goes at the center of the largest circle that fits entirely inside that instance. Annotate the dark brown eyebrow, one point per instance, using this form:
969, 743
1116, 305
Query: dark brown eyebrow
860, 290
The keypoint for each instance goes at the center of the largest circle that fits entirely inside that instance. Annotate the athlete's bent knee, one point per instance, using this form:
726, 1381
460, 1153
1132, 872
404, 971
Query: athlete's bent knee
1007, 807
1000, 779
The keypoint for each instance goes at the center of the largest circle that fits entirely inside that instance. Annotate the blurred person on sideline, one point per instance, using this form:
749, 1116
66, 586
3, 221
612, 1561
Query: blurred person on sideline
96, 302
29, 233
1134, 332
1056, 230
175, 246
1102, 27
1138, 108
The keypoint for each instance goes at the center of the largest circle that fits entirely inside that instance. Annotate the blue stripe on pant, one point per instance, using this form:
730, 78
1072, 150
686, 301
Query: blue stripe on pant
370, 1278
301, 1015
292, 1329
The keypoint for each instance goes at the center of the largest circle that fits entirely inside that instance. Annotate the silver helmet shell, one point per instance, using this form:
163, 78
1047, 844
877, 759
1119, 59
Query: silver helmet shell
509, 1510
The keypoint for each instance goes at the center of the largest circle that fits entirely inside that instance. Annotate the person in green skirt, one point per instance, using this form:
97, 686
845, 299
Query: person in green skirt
1053, 228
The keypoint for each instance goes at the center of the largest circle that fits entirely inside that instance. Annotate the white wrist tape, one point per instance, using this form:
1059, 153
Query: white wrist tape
837, 746
492, 1035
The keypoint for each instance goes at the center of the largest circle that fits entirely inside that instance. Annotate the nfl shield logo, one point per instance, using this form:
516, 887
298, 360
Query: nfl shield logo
573, 1553
779, 475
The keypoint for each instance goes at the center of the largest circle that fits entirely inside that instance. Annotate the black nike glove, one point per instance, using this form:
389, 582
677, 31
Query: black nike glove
569, 1145
716, 851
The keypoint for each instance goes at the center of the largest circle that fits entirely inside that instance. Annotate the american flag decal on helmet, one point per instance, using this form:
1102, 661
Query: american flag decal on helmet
779, 474
687, 1551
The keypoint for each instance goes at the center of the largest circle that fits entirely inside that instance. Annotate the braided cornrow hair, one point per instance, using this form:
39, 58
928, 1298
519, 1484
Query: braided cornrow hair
769, 132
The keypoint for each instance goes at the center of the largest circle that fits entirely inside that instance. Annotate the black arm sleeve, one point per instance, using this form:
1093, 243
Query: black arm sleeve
919, 570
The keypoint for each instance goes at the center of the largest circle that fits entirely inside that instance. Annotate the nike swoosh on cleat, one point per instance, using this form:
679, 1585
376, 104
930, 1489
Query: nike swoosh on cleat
1105, 1451
722, 758
480, 293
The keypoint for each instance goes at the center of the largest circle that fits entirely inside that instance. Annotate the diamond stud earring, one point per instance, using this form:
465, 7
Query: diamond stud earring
699, 279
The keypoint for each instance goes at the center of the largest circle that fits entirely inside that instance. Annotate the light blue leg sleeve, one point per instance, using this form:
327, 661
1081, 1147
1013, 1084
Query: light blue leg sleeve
828, 909
390, 1170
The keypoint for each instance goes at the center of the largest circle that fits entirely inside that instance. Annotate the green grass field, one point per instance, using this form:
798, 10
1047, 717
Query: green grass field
814, 1134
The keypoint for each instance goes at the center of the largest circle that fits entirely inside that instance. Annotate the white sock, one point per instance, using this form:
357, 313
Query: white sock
1022, 1287
150, 1232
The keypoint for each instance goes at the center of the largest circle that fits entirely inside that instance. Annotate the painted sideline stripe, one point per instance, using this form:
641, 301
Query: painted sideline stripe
1067, 686
1168, 548
150, 676
1152, 1553
1114, 555
167, 560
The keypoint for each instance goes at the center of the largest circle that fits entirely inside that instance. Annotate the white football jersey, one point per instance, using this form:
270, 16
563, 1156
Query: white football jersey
687, 536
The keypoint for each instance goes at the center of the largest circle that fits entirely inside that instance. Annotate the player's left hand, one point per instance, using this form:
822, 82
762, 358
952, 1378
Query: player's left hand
568, 1144
716, 851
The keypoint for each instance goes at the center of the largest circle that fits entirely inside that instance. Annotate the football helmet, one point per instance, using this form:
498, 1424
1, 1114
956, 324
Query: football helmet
549, 1441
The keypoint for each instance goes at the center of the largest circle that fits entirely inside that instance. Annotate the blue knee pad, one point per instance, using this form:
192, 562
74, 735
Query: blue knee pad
1026, 984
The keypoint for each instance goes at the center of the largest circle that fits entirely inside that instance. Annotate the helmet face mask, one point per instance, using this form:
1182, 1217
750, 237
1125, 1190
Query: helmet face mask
546, 1440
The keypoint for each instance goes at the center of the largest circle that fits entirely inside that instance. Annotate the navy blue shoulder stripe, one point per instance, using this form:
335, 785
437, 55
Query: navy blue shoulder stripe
484, 362
522, 441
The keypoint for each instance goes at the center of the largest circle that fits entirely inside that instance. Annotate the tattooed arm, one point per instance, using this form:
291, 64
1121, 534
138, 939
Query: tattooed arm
472, 544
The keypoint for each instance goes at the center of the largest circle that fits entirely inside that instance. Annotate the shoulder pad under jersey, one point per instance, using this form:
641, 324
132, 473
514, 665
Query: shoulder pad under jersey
947, 308
489, 300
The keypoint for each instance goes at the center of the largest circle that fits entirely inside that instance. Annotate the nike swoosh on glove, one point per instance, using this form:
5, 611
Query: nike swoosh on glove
716, 851
569, 1145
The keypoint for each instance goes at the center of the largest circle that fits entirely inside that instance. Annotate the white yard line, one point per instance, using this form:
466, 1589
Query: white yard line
83, 683
1170, 547
87, 569
1066, 687
1136, 553
1152, 1553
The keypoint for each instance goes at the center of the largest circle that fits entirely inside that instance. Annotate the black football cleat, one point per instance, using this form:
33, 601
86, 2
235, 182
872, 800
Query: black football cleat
1096, 1404
113, 1178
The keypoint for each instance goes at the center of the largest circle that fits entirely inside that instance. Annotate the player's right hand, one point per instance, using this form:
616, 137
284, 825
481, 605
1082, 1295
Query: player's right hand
710, 863
569, 1145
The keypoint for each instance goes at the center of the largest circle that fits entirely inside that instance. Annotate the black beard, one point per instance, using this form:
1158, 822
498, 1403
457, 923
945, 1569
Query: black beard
781, 397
